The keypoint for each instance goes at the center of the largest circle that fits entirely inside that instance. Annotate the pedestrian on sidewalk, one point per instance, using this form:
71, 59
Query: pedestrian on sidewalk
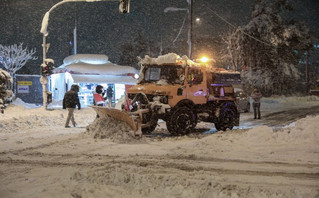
70, 101
256, 96
109, 94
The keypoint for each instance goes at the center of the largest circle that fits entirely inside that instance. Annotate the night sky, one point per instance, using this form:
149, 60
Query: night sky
102, 30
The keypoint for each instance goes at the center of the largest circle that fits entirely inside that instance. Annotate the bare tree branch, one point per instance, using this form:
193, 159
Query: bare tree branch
14, 57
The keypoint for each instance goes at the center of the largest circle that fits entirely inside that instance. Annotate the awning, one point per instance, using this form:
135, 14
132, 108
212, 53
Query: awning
81, 78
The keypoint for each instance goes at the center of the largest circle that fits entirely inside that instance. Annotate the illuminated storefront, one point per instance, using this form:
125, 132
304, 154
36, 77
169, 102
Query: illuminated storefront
88, 71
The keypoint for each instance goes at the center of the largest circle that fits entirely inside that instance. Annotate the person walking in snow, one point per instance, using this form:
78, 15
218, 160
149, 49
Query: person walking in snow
70, 101
109, 94
2, 107
256, 96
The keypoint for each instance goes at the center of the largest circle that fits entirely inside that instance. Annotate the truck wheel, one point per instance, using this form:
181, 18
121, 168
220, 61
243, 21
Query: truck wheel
181, 122
151, 121
150, 129
226, 118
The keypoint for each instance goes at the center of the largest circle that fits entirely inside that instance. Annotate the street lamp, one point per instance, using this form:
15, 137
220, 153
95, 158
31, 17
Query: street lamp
124, 7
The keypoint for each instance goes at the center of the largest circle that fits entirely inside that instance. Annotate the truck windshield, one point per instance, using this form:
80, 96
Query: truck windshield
171, 74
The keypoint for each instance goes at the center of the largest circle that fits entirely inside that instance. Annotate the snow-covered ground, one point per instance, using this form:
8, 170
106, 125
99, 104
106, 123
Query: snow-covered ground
41, 158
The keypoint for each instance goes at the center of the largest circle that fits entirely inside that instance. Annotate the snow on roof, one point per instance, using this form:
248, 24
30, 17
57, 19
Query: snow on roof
94, 64
86, 58
101, 69
170, 58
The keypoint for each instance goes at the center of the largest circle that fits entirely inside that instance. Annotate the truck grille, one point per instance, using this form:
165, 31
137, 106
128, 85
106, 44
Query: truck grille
150, 97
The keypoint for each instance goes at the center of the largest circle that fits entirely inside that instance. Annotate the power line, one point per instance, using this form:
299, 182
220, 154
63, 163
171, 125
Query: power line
232, 25
180, 30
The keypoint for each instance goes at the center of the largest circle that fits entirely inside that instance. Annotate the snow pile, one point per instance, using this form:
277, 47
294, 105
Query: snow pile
55, 104
22, 117
260, 133
115, 130
25, 118
19, 102
144, 181
19, 124
303, 131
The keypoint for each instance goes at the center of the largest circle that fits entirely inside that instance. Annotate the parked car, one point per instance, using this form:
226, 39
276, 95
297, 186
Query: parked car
242, 100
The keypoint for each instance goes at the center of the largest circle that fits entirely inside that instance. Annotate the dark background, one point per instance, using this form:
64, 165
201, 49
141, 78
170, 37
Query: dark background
101, 29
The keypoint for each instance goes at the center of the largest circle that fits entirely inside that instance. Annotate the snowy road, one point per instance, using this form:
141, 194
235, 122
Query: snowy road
278, 118
78, 166
41, 158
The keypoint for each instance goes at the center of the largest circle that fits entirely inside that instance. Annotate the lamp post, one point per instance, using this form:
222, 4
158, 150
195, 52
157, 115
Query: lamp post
124, 6
190, 30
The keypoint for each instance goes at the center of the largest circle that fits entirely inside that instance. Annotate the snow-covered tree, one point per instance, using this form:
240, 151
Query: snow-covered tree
5, 83
268, 48
14, 57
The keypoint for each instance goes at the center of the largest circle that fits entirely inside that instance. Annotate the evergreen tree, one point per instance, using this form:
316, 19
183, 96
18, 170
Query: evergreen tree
5, 83
268, 48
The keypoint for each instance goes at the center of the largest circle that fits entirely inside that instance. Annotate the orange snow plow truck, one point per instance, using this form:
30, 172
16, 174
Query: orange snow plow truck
180, 92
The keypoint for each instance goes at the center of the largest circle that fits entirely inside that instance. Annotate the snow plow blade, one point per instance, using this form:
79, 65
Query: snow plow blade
116, 114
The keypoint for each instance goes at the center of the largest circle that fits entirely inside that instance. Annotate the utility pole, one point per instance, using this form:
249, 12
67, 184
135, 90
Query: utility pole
190, 26
75, 31
306, 71
190, 30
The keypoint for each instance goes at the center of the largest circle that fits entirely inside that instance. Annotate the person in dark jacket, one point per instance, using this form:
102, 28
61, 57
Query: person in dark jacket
109, 94
256, 96
70, 101
2, 107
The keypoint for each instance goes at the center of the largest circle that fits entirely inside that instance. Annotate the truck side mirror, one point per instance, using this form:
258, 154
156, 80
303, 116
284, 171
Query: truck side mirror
182, 77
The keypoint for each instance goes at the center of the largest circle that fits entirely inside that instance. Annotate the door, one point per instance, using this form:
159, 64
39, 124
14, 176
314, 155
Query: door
196, 86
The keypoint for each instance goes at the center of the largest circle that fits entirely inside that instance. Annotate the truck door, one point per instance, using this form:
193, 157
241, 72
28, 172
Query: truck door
196, 87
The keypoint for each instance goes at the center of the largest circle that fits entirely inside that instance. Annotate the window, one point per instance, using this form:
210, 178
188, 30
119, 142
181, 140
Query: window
153, 73
195, 76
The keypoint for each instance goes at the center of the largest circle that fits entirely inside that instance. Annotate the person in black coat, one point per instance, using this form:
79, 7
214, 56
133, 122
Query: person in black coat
109, 94
70, 101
